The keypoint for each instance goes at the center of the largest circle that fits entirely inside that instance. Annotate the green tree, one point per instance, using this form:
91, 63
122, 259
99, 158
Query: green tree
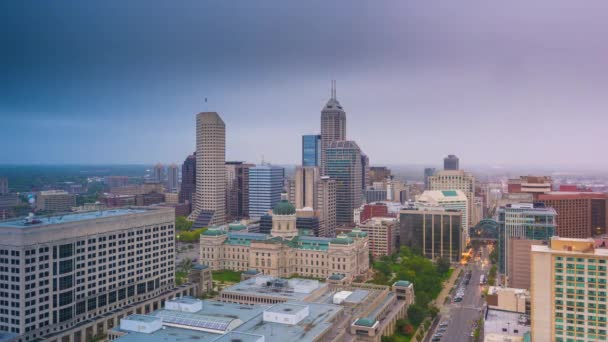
185, 265
415, 314
443, 265
182, 224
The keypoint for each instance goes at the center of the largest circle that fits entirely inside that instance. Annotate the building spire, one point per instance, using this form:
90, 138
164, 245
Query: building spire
333, 89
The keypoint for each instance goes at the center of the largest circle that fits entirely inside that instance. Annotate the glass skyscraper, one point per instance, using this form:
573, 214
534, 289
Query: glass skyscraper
311, 150
343, 164
265, 187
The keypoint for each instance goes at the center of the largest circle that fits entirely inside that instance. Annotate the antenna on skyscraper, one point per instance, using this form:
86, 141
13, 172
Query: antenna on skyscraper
333, 89
206, 106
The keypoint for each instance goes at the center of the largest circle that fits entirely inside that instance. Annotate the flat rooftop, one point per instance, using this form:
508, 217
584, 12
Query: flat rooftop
258, 286
501, 322
320, 318
70, 217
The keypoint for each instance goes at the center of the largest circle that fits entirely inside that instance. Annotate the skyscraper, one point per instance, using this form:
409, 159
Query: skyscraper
158, 175
311, 150
333, 124
326, 206
265, 187
172, 178
188, 185
237, 190
305, 187
456, 180
343, 164
429, 171
450, 163
210, 203
364, 171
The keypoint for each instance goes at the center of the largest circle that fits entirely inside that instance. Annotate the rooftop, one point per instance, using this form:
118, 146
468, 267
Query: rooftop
69, 217
292, 289
506, 323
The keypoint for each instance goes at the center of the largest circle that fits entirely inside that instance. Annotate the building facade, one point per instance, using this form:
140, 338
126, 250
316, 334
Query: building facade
450, 200
172, 178
568, 290
311, 150
188, 186
265, 188
306, 182
283, 253
210, 203
237, 190
382, 235
520, 258
534, 185
343, 164
55, 201
579, 214
378, 174
456, 180
326, 206
428, 172
523, 220
66, 270
116, 181
433, 229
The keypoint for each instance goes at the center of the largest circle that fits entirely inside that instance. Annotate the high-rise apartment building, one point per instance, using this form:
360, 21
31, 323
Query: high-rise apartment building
326, 206
449, 200
343, 163
451, 163
265, 188
456, 180
158, 173
55, 201
568, 291
172, 178
333, 124
428, 172
432, 228
522, 220
237, 190
67, 275
210, 203
188, 186
311, 150
579, 214
306, 181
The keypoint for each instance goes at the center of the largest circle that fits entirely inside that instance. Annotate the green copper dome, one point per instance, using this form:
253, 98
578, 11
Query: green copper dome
284, 208
213, 232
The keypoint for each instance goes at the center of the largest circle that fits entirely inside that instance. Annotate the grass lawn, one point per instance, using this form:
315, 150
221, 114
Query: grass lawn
226, 276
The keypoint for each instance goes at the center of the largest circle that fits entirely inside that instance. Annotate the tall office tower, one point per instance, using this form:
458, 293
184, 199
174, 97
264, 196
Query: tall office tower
305, 187
265, 188
535, 185
456, 180
326, 206
450, 200
520, 259
311, 150
116, 181
450, 163
3, 185
364, 171
428, 172
333, 124
75, 273
55, 201
432, 228
579, 214
158, 175
237, 190
523, 220
210, 203
172, 178
188, 186
343, 164
378, 174
568, 291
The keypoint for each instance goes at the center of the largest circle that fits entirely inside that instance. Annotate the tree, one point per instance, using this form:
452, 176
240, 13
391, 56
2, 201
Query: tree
407, 329
415, 314
182, 224
433, 311
185, 265
443, 265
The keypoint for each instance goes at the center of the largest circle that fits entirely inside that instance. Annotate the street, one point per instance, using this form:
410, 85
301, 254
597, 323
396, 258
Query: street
462, 315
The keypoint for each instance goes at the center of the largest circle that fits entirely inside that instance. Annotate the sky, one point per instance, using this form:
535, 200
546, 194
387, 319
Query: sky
496, 83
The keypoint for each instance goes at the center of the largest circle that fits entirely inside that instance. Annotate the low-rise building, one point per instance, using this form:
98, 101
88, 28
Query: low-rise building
55, 201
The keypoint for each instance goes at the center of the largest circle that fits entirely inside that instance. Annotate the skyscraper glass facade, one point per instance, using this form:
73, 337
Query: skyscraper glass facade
311, 150
265, 187
343, 164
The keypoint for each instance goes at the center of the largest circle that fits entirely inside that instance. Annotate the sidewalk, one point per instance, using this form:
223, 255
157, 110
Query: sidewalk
438, 302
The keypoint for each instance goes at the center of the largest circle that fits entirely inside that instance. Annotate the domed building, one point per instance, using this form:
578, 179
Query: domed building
284, 252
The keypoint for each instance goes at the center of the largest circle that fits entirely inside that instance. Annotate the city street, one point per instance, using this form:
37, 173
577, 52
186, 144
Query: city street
462, 315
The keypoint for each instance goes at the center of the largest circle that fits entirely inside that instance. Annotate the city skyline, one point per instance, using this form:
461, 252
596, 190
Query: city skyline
501, 73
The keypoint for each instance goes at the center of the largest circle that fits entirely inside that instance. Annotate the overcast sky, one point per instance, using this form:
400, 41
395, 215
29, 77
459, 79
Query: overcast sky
498, 83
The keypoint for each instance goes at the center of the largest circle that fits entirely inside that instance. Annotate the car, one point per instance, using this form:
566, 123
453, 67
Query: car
436, 339
441, 330
438, 335
443, 324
